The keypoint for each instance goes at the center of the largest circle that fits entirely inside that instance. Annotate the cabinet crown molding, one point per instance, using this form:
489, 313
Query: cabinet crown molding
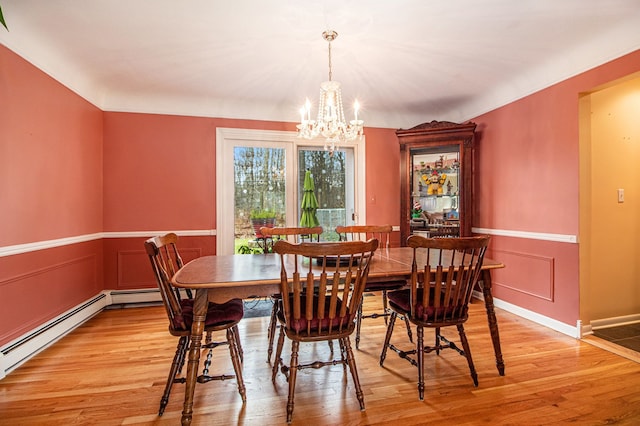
438, 125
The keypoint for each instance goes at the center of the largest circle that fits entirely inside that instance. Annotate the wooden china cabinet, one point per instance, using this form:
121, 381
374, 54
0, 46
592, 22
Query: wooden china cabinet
436, 179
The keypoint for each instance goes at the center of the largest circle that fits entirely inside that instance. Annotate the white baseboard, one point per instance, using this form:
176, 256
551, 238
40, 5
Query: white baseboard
20, 350
551, 323
615, 321
585, 330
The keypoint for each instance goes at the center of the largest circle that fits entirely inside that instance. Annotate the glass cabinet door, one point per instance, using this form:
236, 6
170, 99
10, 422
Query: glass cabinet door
435, 191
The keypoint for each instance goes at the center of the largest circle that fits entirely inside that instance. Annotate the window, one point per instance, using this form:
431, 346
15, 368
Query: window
258, 171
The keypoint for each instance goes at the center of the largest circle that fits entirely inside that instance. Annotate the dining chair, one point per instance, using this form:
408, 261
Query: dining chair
383, 234
321, 287
165, 262
443, 274
293, 235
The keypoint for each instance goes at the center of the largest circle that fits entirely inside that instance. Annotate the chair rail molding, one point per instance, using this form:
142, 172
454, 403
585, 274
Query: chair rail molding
559, 238
48, 244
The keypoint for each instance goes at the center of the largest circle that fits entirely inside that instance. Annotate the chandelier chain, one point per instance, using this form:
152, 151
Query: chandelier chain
330, 73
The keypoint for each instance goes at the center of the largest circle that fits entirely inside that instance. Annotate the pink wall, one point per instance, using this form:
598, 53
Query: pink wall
50, 188
160, 175
53, 162
51, 142
383, 179
160, 170
528, 180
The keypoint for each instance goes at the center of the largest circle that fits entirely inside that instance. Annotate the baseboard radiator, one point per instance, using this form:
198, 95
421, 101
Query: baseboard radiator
20, 350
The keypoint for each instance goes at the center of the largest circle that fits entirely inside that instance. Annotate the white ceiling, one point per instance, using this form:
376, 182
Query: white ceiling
406, 61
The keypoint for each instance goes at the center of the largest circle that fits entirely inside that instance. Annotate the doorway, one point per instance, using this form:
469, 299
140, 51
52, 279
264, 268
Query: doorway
609, 226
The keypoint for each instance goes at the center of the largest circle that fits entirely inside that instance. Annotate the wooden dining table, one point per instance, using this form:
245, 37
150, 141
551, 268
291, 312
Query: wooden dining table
220, 278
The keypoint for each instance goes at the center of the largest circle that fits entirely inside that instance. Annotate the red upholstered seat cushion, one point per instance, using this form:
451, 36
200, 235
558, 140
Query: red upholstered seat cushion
399, 301
300, 325
217, 313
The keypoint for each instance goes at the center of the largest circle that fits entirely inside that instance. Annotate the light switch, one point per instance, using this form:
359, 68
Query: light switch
621, 195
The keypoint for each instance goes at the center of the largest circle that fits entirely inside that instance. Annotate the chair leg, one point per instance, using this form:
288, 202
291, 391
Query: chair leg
232, 338
467, 354
293, 372
278, 358
343, 354
236, 333
385, 307
182, 359
178, 360
354, 371
387, 337
358, 324
272, 329
408, 324
437, 335
420, 354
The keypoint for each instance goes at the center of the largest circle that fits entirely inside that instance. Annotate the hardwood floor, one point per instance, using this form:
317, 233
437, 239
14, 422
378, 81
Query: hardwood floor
112, 371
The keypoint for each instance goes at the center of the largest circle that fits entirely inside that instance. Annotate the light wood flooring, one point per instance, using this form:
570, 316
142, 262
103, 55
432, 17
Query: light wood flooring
112, 371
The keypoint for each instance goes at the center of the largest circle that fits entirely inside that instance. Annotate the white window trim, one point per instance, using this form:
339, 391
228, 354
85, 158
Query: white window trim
226, 138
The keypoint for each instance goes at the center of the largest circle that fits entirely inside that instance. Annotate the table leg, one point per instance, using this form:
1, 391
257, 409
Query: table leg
491, 316
197, 330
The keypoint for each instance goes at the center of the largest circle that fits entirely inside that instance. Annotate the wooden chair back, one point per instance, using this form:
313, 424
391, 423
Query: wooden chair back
365, 232
443, 274
321, 286
165, 262
290, 234
383, 234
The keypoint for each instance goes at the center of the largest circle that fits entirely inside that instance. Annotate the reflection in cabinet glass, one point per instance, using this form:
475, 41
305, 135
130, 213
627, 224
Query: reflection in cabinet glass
436, 179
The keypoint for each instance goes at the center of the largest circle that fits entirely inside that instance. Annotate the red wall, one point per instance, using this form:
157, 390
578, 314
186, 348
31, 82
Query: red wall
528, 180
50, 188
67, 170
160, 176
160, 170
383, 178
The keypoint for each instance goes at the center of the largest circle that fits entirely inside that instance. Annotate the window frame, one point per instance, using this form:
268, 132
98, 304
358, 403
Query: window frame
228, 138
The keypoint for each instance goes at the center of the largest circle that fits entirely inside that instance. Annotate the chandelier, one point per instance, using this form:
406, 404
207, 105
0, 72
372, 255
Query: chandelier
331, 123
